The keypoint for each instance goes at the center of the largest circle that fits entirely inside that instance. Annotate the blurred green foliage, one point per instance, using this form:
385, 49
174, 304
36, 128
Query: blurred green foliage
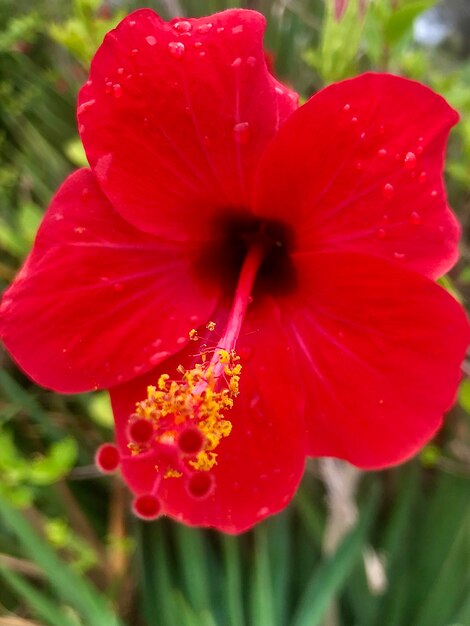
70, 554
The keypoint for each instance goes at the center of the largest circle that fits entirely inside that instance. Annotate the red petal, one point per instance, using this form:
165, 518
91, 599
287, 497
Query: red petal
380, 349
359, 167
195, 109
261, 462
99, 302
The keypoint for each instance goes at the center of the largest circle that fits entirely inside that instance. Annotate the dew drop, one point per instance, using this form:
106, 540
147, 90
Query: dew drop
181, 340
134, 52
81, 129
251, 61
176, 49
202, 54
109, 87
182, 27
158, 357
433, 193
382, 153
151, 40
354, 120
359, 165
399, 255
118, 287
422, 177
120, 71
381, 233
415, 218
204, 28
279, 90
346, 108
117, 90
237, 30
198, 44
381, 129
237, 62
419, 150
388, 191
132, 23
241, 132
85, 106
220, 30
410, 160
89, 83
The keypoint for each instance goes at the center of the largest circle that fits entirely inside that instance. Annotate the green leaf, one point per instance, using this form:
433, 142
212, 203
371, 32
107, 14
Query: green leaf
42, 606
330, 577
69, 586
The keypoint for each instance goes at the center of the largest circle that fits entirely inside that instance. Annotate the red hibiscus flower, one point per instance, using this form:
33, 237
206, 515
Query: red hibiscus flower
253, 283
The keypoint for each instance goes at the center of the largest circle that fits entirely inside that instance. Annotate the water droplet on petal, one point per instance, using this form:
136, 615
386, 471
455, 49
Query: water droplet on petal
198, 44
433, 193
279, 90
89, 83
85, 106
251, 61
415, 218
359, 165
133, 52
241, 132
85, 193
176, 49
236, 30
237, 62
118, 287
109, 87
204, 28
81, 129
151, 40
422, 177
388, 191
120, 70
220, 30
399, 255
346, 108
182, 27
419, 150
354, 120
117, 90
381, 233
410, 160
181, 340
202, 54
382, 153
132, 23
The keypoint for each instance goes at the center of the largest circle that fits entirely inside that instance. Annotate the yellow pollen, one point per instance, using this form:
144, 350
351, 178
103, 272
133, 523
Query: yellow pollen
199, 400
193, 336
210, 326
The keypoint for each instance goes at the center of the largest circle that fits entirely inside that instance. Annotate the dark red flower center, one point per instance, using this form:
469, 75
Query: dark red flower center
232, 238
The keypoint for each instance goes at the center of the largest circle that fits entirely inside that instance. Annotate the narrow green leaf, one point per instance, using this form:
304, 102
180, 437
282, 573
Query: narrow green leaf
68, 585
233, 581
262, 601
329, 578
39, 603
